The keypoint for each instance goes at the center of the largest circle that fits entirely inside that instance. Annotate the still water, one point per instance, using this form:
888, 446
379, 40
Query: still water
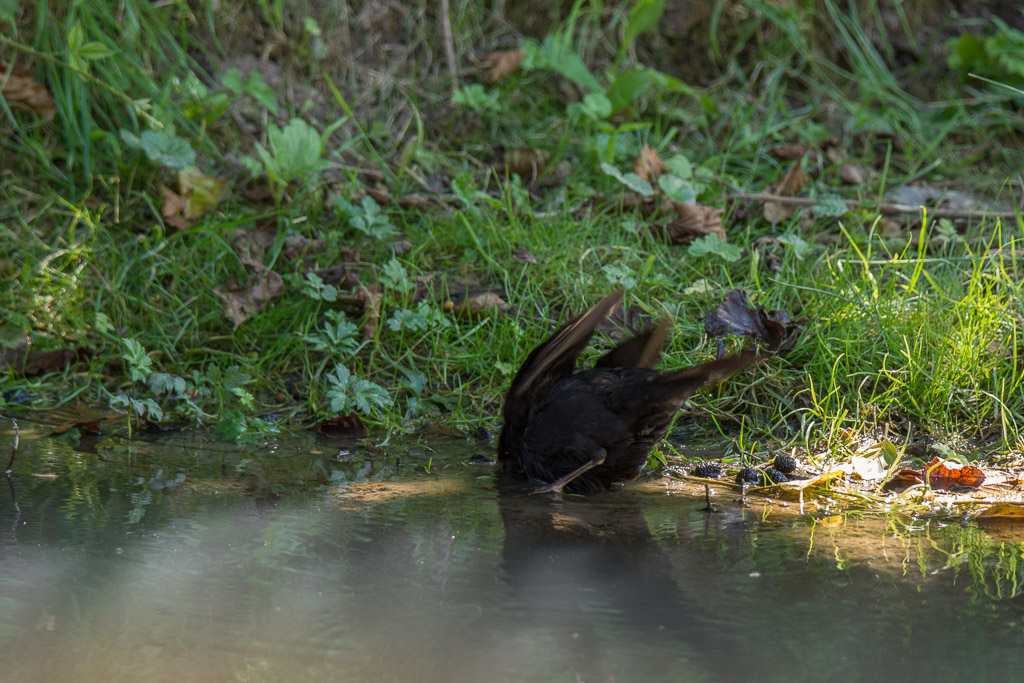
185, 559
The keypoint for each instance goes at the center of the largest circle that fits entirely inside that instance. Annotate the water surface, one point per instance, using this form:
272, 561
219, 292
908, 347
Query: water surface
183, 558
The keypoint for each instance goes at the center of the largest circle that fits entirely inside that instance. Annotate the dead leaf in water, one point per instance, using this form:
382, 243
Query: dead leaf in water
1001, 513
343, 427
20, 90
31, 363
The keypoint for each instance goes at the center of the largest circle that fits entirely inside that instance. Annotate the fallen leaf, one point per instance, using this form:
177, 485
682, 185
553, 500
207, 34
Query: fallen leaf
80, 416
370, 298
32, 363
20, 89
172, 208
343, 427
202, 192
243, 302
476, 304
525, 162
851, 174
523, 255
734, 316
250, 244
791, 152
298, 246
769, 258
648, 165
695, 220
502, 63
258, 193
939, 477
405, 201
339, 276
795, 180
1001, 513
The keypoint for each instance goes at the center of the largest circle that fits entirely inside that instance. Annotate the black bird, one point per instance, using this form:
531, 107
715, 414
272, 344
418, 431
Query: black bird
583, 431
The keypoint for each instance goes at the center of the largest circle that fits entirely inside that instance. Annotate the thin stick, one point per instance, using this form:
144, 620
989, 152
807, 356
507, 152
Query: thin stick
449, 46
890, 209
14, 449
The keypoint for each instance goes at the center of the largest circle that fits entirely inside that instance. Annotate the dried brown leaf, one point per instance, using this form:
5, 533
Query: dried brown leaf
243, 302
851, 174
523, 255
476, 305
370, 298
795, 180
19, 89
502, 63
695, 220
769, 258
405, 201
648, 164
339, 276
172, 208
250, 244
790, 152
299, 246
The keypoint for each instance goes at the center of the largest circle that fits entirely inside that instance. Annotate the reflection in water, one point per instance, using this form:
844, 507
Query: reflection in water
198, 562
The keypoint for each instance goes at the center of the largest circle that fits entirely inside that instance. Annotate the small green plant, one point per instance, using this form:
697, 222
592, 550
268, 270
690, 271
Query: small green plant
315, 288
713, 244
346, 393
476, 98
394, 278
427, 316
336, 334
293, 153
140, 366
998, 56
162, 148
366, 217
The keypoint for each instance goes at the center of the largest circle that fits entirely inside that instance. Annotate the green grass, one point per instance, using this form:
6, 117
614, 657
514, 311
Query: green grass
916, 328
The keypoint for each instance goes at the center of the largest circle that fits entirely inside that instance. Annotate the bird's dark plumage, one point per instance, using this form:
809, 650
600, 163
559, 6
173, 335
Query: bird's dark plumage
585, 430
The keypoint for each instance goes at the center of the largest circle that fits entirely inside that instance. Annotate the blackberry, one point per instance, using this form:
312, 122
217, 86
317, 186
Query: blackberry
708, 470
775, 476
785, 463
748, 475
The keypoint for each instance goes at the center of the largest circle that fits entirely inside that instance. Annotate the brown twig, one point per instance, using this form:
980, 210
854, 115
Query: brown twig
888, 209
449, 46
